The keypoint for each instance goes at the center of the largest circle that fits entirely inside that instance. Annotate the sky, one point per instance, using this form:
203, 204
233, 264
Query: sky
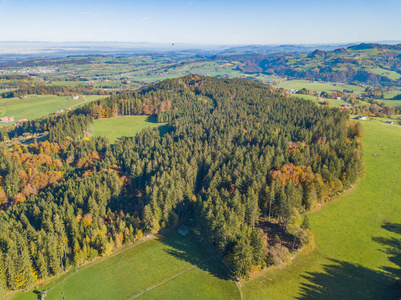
230, 22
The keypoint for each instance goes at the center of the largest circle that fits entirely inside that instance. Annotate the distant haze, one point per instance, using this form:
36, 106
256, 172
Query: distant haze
26, 48
203, 22
54, 49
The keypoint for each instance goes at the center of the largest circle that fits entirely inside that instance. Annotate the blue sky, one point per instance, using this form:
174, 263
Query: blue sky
203, 22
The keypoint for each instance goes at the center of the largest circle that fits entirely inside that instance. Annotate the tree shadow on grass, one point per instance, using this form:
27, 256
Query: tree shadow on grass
344, 280
190, 249
392, 249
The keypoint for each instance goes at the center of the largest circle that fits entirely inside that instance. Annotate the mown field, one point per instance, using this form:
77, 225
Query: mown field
357, 237
127, 126
171, 267
36, 106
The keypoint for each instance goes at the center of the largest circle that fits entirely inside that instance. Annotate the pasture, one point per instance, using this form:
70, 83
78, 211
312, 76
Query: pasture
387, 73
332, 102
388, 99
36, 106
168, 267
122, 127
318, 86
68, 83
357, 236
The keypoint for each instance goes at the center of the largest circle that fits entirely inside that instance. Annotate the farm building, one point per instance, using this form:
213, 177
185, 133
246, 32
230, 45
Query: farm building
21, 121
7, 119
361, 118
183, 230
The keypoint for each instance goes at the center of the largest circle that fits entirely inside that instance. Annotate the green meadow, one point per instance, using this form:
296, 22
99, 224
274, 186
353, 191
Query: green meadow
379, 71
318, 86
68, 83
388, 99
127, 126
169, 267
357, 236
332, 102
36, 106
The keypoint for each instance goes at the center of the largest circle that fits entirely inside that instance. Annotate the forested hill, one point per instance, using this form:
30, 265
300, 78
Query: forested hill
236, 152
373, 64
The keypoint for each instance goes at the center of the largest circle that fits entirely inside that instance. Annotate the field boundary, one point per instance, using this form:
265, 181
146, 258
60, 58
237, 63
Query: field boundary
228, 270
170, 278
90, 264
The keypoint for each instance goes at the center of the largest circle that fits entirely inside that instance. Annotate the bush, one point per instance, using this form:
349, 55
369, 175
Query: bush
279, 256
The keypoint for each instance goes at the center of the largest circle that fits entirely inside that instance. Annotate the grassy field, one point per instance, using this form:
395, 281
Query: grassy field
391, 103
317, 86
34, 106
379, 71
388, 99
122, 127
68, 83
332, 102
171, 267
357, 237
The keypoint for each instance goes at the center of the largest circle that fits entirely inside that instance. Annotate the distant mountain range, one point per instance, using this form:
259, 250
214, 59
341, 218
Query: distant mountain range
366, 63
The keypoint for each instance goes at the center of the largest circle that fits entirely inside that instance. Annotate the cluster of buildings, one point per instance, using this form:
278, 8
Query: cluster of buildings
11, 119
361, 118
37, 70
21, 121
59, 111
7, 119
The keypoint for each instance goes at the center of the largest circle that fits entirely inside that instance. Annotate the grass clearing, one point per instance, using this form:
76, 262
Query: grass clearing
352, 241
170, 267
127, 126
